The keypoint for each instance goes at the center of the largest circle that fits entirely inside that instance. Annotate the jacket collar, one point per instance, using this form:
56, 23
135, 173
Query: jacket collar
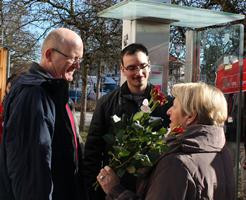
199, 138
37, 69
37, 76
125, 91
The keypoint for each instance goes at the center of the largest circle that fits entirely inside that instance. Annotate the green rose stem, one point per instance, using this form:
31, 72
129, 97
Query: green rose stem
154, 106
151, 101
124, 163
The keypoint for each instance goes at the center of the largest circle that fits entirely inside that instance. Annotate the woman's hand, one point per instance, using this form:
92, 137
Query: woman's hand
107, 179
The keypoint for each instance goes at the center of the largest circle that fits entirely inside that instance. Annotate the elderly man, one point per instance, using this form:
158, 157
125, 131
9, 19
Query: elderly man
40, 157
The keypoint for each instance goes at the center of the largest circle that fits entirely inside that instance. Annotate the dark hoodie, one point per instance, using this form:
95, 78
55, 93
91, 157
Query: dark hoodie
37, 154
197, 166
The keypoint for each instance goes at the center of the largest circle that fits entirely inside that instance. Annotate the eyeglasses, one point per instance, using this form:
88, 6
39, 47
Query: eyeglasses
73, 60
135, 68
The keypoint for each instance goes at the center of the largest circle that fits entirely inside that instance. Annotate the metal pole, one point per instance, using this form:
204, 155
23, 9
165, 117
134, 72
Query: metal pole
192, 63
240, 105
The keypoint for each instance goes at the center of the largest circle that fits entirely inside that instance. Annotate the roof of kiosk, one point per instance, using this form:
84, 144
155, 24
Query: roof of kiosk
184, 16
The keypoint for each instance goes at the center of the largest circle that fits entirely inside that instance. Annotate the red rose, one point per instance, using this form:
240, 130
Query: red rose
178, 130
158, 96
155, 91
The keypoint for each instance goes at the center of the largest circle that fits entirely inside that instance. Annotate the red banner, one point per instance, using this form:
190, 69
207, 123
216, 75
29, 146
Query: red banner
228, 78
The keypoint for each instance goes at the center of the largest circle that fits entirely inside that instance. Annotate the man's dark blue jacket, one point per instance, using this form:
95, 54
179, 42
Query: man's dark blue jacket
37, 159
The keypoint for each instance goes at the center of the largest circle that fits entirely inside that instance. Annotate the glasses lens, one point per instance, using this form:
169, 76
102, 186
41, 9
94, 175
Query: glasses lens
72, 60
136, 68
143, 66
131, 68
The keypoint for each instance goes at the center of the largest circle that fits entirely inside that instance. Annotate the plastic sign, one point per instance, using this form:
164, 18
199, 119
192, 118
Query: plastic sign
228, 77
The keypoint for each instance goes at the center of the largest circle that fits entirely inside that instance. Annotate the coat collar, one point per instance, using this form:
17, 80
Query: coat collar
125, 91
37, 76
199, 138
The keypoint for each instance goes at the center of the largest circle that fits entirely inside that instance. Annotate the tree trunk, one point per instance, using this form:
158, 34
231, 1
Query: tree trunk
98, 86
83, 98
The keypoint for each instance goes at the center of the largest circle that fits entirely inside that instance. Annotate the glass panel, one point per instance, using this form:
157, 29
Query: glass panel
176, 15
221, 61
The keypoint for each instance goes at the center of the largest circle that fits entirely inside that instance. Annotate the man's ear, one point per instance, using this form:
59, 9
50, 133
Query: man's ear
47, 55
122, 68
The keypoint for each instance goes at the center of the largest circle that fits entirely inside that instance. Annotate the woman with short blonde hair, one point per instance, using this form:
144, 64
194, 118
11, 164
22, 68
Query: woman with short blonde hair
207, 101
197, 164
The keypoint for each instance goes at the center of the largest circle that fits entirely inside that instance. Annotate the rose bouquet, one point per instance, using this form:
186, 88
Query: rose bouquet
137, 141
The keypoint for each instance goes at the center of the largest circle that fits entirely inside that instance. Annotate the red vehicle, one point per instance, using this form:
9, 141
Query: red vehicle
228, 77
228, 80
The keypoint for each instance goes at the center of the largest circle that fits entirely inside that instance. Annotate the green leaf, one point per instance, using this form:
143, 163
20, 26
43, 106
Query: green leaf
160, 142
146, 116
123, 153
138, 156
162, 131
148, 129
144, 139
155, 123
138, 116
134, 139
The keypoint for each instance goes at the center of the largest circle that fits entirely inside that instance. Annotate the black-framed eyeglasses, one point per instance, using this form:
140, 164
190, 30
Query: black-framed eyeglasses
134, 68
73, 60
